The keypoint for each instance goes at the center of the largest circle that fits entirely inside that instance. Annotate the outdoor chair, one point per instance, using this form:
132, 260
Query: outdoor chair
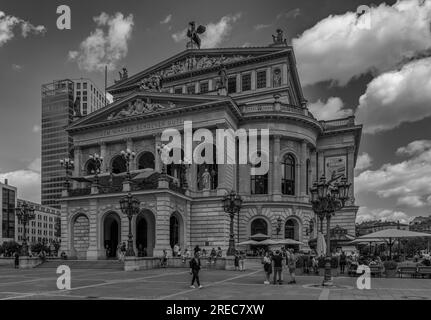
424, 271
412, 271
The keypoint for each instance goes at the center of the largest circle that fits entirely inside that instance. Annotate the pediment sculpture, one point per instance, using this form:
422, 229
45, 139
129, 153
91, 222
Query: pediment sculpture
138, 107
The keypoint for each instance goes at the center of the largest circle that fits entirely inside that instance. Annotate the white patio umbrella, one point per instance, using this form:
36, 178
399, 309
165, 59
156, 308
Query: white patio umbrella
288, 241
268, 242
390, 235
248, 242
321, 245
259, 236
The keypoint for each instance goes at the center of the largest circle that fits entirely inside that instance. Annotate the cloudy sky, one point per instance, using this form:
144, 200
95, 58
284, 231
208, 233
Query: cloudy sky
376, 66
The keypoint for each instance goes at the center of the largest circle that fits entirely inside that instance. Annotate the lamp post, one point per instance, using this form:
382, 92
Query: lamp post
326, 199
68, 165
97, 160
130, 206
232, 204
25, 213
128, 156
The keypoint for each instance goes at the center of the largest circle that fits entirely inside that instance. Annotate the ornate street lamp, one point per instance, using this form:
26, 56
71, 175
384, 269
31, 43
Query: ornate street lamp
326, 199
130, 207
68, 165
25, 213
278, 228
97, 161
232, 204
128, 156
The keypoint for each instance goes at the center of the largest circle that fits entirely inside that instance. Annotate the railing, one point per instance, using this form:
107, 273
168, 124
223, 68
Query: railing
338, 123
273, 107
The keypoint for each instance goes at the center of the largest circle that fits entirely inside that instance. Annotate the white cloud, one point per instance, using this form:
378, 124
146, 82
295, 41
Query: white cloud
415, 147
366, 214
332, 109
261, 26
167, 19
106, 45
27, 181
339, 48
363, 162
289, 14
409, 181
215, 33
8, 23
16, 67
36, 128
396, 97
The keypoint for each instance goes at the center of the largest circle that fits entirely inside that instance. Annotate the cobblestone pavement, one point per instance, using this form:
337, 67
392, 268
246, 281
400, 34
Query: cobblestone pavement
174, 283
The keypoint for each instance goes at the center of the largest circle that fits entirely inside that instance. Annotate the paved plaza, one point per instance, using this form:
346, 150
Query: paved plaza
173, 283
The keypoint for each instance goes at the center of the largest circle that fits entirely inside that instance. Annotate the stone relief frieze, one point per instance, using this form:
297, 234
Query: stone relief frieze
139, 107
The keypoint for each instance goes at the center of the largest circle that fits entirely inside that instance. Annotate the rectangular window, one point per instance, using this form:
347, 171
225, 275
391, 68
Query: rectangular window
84, 98
191, 89
259, 184
203, 87
261, 79
78, 86
84, 92
246, 82
178, 90
231, 85
84, 85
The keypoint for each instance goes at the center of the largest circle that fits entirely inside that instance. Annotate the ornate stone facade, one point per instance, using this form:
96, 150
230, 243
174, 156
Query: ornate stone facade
261, 91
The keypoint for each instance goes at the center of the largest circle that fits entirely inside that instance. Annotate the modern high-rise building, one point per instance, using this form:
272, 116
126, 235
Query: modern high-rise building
90, 96
7, 212
58, 99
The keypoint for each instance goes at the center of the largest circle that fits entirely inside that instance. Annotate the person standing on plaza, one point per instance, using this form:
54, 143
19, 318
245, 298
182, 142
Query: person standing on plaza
241, 261
197, 249
16, 256
267, 267
343, 261
236, 260
195, 266
164, 263
291, 265
278, 267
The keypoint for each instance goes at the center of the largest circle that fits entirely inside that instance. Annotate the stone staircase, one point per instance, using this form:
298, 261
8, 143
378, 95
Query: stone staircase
83, 264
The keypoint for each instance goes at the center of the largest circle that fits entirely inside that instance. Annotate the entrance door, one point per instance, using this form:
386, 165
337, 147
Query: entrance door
111, 234
142, 237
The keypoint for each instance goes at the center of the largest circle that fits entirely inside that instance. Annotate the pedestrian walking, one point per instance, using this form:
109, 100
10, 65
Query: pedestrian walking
291, 265
236, 260
16, 256
277, 260
195, 266
343, 261
241, 261
164, 263
267, 267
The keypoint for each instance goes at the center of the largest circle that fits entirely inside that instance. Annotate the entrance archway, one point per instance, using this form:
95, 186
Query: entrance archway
111, 233
145, 233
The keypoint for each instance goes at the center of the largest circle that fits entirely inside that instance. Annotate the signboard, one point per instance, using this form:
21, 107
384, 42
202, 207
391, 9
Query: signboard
335, 168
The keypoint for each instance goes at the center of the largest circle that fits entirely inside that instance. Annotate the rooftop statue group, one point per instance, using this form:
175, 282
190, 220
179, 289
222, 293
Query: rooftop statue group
139, 107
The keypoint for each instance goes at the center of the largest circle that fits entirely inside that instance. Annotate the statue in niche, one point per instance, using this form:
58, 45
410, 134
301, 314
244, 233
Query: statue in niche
276, 78
205, 180
223, 77
123, 75
139, 106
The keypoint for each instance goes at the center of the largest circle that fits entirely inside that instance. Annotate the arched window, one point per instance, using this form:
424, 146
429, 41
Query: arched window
90, 167
174, 231
307, 178
259, 183
118, 165
259, 226
289, 229
212, 169
288, 175
146, 160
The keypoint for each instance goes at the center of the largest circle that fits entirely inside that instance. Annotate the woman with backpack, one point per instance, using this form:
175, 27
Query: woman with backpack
267, 267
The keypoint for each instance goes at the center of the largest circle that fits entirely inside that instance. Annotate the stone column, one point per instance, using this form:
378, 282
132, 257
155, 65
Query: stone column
303, 169
253, 80
129, 145
276, 168
268, 77
284, 74
104, 166
350, 173
93, 251
238, 83
77, 165
157, 162
162, 224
